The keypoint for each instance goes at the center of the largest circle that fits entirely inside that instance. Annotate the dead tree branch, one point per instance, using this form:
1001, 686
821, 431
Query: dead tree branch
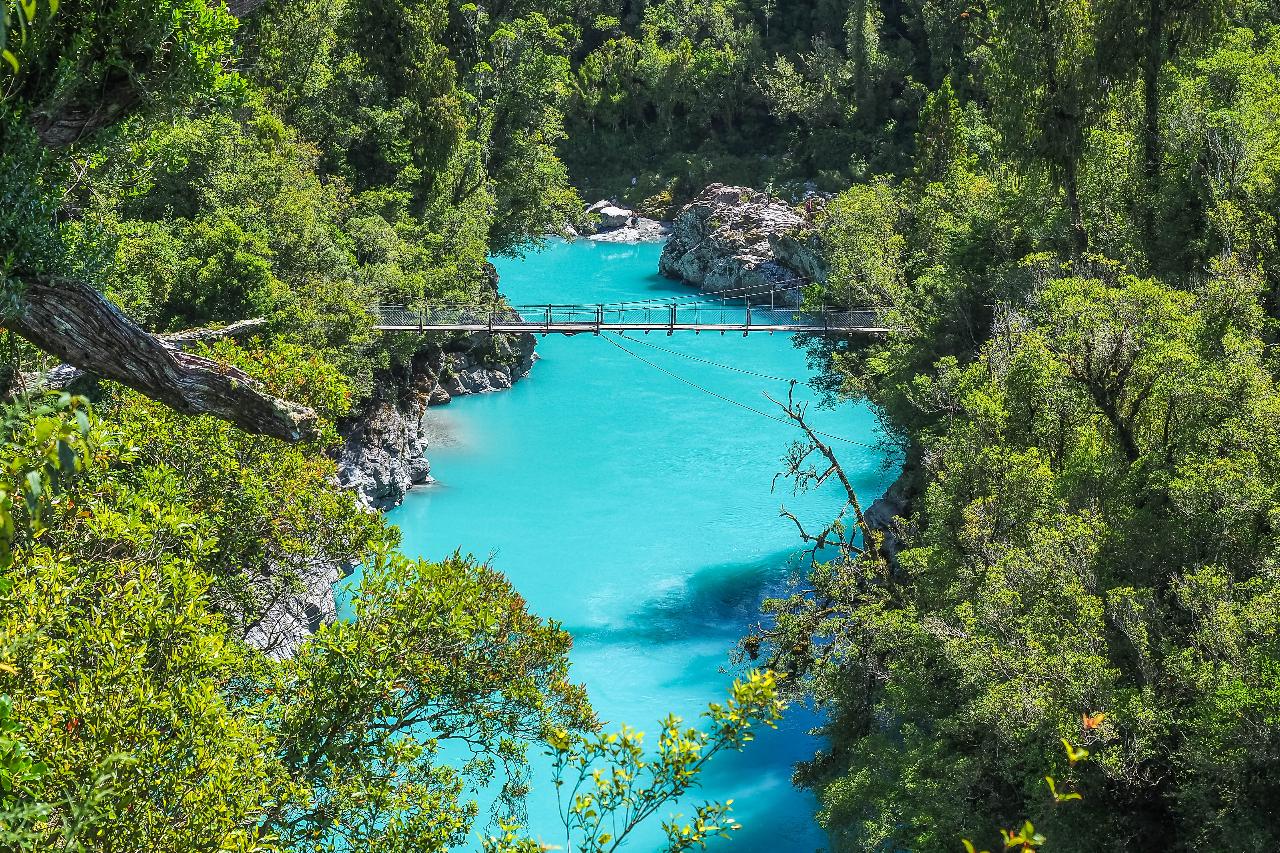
810, 478
191, 337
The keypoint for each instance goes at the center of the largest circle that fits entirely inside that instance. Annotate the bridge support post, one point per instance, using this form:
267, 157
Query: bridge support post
671, 328
747, 330
599, 318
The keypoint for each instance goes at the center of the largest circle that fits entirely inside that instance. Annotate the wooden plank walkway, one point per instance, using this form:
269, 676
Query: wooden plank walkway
668, 318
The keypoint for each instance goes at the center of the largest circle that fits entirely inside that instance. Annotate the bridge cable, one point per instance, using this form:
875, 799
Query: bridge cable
730, 400
711, 296
692, 357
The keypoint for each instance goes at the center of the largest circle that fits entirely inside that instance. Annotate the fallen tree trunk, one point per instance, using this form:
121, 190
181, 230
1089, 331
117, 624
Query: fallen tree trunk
78, 324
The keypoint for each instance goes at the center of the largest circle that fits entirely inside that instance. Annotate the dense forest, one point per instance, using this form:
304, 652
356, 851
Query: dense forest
1069, 206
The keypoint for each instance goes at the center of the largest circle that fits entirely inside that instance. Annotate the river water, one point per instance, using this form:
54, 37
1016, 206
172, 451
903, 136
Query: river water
637, 510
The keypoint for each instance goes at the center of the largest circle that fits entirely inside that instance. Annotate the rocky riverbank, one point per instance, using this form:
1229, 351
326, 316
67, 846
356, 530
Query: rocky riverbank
385, 442
383, 455
609, 222
737, 241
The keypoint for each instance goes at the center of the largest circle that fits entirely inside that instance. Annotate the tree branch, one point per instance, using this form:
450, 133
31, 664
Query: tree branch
796, 414
66, 124
185, 339
79, 325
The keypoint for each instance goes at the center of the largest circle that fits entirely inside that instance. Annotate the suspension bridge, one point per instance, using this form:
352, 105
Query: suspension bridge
650, 316
731, 313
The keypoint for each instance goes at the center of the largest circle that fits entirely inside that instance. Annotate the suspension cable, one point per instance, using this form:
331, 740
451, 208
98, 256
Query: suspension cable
692, 357
730, 400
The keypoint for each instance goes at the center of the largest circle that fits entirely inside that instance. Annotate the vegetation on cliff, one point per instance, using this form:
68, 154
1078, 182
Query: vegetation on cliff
167, 165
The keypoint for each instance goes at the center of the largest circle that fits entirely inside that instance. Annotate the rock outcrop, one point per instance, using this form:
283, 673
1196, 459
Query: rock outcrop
297, 611
891, 513
736, 241
384, 453
617, 224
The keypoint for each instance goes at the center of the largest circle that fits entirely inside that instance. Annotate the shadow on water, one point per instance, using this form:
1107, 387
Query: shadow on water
720, 603
716, 601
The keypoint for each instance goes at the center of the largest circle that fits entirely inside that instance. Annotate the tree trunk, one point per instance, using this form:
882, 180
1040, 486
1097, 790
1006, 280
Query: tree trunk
1071, 186
79, 325
1153, 61
858, 47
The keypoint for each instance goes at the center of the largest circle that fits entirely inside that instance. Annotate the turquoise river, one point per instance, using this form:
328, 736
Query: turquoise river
638, 511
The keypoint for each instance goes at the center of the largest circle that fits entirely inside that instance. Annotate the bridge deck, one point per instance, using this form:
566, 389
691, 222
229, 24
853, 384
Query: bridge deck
631, 317
593, 328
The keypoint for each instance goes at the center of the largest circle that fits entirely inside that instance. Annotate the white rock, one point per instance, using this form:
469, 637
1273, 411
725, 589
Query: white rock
614, 217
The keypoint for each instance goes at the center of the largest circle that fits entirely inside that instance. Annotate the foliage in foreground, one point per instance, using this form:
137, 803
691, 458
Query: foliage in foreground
297, 166
136, 717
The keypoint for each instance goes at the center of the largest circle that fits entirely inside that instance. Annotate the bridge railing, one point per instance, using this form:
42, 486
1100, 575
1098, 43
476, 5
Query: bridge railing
672, 315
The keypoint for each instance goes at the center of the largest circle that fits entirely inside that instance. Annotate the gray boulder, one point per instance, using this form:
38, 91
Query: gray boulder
739, 242
613, 216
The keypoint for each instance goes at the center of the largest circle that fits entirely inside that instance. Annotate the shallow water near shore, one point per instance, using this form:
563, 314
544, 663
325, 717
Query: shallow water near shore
637, 510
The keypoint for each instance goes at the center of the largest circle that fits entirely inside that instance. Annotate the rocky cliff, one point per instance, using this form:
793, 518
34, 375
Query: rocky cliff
382, 457
736, 241
385, 442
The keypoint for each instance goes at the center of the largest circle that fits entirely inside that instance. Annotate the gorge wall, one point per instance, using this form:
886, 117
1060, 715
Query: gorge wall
385, 441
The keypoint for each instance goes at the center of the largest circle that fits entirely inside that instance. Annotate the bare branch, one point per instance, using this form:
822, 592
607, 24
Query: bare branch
191, 337
795, 412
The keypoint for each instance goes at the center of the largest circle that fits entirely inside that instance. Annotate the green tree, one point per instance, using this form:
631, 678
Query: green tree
1045, 88
1090, 480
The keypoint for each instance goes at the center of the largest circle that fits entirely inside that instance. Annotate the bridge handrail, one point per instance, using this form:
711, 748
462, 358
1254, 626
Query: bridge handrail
601, 316
708, 304
706, 297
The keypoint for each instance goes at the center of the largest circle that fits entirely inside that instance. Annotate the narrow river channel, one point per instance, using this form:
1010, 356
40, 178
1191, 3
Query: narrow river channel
638, 511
